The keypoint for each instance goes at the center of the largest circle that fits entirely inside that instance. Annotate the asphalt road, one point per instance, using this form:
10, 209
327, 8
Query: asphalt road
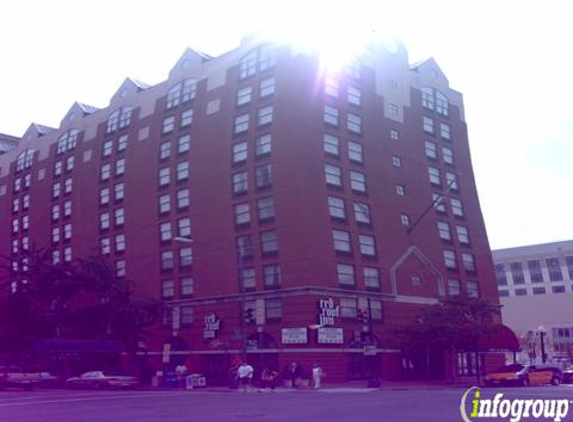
412, 405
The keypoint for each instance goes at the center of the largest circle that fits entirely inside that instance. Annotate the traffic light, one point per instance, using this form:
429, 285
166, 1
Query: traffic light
362, 315
249, 316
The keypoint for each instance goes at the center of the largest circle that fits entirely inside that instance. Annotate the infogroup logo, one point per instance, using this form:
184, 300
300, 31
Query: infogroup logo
474, 407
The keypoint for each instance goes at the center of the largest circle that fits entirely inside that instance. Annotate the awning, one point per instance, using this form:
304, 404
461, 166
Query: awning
503, 339
75, 346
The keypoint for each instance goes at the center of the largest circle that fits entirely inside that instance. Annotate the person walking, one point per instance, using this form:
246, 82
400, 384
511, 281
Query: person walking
245, 376
317, 375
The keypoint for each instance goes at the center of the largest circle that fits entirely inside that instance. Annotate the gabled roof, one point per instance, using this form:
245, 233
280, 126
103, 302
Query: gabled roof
431, 68
77, 110
189, 59
36, 130
87, 109
128, 88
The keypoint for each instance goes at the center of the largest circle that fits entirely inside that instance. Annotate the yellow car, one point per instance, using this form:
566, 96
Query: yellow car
524, 375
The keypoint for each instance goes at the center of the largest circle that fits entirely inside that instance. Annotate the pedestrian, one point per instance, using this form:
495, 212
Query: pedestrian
294, 373
317, 375
245, 376
233, 377
181, 371
268, 378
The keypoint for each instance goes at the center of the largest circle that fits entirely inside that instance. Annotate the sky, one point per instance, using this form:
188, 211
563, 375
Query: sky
510, 59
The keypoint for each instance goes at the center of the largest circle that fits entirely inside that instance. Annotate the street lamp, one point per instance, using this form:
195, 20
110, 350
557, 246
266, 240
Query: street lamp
542, 332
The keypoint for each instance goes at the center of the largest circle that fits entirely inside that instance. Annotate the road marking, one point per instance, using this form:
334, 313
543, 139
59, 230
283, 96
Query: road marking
87, 398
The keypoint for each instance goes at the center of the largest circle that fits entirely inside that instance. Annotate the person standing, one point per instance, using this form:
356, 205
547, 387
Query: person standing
245, 376
294, 373
268, 378
317, 375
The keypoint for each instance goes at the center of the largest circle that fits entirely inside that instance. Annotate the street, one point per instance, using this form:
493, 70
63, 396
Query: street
350, 404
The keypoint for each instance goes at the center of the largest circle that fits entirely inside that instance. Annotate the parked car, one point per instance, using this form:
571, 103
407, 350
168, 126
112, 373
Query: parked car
567, 377
14, 377
99, 380
524, 375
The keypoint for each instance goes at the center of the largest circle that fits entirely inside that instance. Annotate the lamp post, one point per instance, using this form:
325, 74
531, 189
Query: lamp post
542, 332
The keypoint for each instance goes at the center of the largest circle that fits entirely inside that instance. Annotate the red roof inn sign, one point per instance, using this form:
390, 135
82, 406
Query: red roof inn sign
212, 325
327, 311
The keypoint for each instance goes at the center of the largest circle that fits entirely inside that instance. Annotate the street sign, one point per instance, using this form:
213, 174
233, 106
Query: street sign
330, 335
294, 335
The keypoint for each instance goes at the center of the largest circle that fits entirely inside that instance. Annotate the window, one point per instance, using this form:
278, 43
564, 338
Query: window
104, 196
348, 307
558, 289
500, 274
67, 208
362, 213
261, 59
267, 87
120, 167
70, 164
521, 292
469, 262
122, 143
393, 109
105, 172
336, 207
25, 222
371, 278
396, 161
265, 116
182, 198
244, 96
331, 86
445, 131
355, 152
430, 149
68, 254
263, 145
264, 176
56, 190
119, 242
68, 185
186, 118
517, 273
450, 260
184, 227
333, 175
186, 315
239, 152
394, 134
444, 230
503, 293
341, 241
354, 95
269, 243
55, 234
164, 150
463, 235
241, 124
272, 274
454, 288
554, 269
273, 309
353, 123
331, 144
119, 191
434, 176
405, 219
427, 97
441, 104
375, 308
67, 231
452, 181
26, 202
15, 225
357, 181
25, 159
535, 272
167, 260
106, 148
182, 92
428, 124
245, 246
183, 144
367, 245
240, 182
187, 286
27, 181
58, 168
448, 155
185, 257
168, 124
249, 278
165, 233
17, 184
164, 176
242, 214
119, 216
248, 65
182, 171
167, 289
457, 207
266, 208
105, 245
331, 115
345, 274
569, 264
67, 141
16, 205
55, 257
400, 190
473, 289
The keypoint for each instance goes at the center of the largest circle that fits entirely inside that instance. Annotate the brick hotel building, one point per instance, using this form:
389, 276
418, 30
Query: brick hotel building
256, 181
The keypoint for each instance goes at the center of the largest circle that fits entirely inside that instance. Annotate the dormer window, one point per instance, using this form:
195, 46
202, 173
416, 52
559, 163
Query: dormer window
119, 119
258, 60
67, 141
184, 91
25, 159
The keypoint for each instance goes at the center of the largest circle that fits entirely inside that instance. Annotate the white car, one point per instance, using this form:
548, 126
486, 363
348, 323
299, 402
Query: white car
99, 380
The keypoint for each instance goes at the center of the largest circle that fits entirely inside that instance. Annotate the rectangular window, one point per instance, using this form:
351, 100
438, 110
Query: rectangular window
183, 144
445, 131
68, 184
333, 175
331, 144
182, 171
473, 289
263, 145
371, 278
535, 272
182, 198
452, 181
348, 307
393, 109
265, 116
569, 263
241, 124
264, 176
104, 221
503, 293
240, 182
242, 214
186, 118
517, 273
67, 208
539, 290
119, 216
469, 262
106, 149
450, 259
68, 254
448, 155
362, 213
239, 152
444, 230
272, 274
244, 96
554, 268
26, 202
341, 241
67, 231
355, 152
454, 288
427, 98
105, 172
167, 289
354, 95
104, 196
269, 242
357, 181
267, 87
400, 190
119, 191
164, 150
168, 124
165, 233
167, 262
119, 242
245, 246
187, 286
186, 315
463, 235
520, 292
331, 86
354, 123
105, 245
122, 143
266, 208
457, 207
55, 234
336, 207
558, 289
164, 176
405, 219
434, 176
184, 227
396, 161
431, 150
500, 274
367, 245
249, 278
273, 309
70, 164
428, 124
345, 275
375, 310
185, 257
394, 134
331, 115
15, 205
